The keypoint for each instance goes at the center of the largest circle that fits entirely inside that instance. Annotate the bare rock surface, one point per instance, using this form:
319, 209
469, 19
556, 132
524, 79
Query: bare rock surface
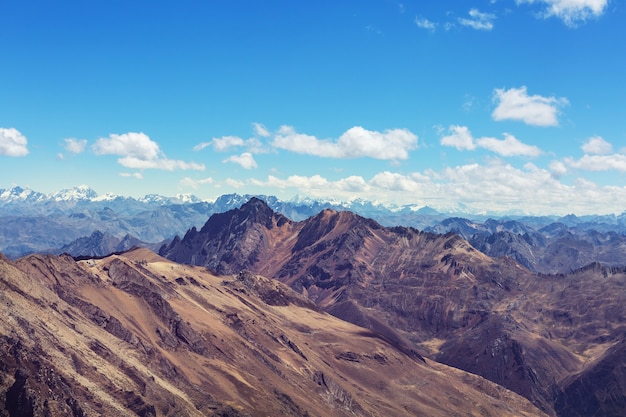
137, 335
431, 296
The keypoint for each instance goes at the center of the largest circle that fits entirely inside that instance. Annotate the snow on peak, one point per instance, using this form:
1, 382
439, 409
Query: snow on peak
18, 193
81, 192
187, 198
157, 199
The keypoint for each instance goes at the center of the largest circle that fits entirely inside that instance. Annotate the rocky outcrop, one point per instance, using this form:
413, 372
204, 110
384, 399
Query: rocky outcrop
229, 242
433, 295
136, 335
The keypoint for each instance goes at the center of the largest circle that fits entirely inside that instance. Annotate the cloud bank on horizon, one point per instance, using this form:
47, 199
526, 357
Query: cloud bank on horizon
506, 128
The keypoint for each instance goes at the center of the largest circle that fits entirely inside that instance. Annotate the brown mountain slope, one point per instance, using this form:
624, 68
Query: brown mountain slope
431, 294
135, 334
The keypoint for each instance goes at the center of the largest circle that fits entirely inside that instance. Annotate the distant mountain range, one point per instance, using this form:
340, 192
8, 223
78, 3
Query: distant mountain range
78, 221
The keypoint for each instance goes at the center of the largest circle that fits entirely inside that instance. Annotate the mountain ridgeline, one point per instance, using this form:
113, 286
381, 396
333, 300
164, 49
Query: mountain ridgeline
80, 222
546, 337
134, 334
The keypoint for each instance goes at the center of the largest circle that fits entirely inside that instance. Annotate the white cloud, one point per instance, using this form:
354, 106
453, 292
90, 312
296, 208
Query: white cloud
12, 142
75, 146
226, 142
190, 182
132, 145
571, 12
558, 168
461, 138
356, 142
536, 110
614, 162
353, 184
246, 160
596, 145
496, 187
260, 130
395, 182
478, 20
509, 146
201, 146
424, 23
138, 151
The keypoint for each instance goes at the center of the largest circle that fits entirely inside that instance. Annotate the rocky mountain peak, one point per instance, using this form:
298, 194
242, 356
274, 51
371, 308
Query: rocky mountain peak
134, 334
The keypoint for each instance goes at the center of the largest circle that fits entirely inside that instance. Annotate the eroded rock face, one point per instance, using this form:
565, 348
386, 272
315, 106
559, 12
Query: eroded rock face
136, 335
598, 390
434, 295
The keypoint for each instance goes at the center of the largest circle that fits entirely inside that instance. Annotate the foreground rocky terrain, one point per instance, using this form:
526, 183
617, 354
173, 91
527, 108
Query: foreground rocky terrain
558, 340
137, 335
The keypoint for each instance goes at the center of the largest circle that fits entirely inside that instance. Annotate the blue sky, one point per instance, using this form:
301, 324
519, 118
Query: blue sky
495, 106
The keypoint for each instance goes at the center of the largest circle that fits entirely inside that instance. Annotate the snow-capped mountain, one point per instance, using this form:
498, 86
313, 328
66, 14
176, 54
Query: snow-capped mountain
81, 192
21, 195
32, 221
25, 198
159, 200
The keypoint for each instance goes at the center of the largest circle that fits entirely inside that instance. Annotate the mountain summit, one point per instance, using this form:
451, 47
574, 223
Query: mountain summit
137, 335
434, 296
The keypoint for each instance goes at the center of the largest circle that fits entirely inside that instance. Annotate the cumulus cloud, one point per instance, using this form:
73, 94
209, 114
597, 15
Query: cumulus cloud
356, 142
461, 138
75, 146
496, 187
558, 168
246, 160
614, 162
138, 151
536, 110
424, 23
509, 146
12, 142
478, 20
395, 182
596, 145
599, 156
131, 145
226, 142
571, 12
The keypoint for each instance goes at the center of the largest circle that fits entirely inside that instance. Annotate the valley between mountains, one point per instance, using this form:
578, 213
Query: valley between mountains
255, 314
541, 336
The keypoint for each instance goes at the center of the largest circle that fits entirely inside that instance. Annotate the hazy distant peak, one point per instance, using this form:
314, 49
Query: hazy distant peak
18, 193
81, 192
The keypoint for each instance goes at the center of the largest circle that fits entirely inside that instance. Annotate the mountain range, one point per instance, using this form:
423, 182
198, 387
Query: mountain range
80, 222
137, 335
254, 313
558, 340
